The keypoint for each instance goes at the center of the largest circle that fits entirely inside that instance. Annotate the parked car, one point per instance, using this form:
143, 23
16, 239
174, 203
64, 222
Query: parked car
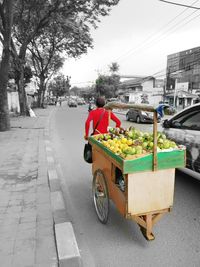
112, 99
72, 103
140, 116
184, 129
52, 101
81, 101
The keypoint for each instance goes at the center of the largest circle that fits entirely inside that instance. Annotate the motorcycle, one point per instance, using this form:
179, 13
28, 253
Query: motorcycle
90, 107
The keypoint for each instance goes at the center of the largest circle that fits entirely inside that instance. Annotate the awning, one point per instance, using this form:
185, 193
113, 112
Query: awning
183, 94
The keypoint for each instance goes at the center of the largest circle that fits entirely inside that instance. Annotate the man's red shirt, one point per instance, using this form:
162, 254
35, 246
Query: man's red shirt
102, 127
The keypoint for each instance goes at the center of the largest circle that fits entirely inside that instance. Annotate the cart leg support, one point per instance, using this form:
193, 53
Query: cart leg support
147, 221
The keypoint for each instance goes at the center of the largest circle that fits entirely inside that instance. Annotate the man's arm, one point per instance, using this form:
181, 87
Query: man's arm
87, 125
116, 120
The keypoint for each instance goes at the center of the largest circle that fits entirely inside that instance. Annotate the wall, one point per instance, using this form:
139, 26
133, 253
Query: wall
153, 97
13, 102
147, 86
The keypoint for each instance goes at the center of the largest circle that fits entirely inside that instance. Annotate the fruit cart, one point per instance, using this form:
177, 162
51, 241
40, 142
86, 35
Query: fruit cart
148, 179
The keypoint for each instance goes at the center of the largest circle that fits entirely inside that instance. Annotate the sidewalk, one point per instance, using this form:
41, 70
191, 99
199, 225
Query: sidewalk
26, 220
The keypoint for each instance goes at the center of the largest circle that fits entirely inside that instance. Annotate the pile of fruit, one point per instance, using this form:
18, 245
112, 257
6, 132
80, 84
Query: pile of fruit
131, 143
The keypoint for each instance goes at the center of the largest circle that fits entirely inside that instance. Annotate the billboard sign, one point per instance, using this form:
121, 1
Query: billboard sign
182, 87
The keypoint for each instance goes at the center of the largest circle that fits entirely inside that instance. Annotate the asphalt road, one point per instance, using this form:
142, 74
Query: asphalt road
120, 242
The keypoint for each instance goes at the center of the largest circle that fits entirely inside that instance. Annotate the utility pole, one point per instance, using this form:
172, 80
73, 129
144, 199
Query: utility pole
175, 90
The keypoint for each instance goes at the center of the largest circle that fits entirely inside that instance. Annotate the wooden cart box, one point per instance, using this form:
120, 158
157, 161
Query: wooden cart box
147, 191
166, 160
150, 191
149, 178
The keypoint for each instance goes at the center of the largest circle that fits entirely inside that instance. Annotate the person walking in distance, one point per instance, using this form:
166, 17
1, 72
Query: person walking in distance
60, 101
100, 119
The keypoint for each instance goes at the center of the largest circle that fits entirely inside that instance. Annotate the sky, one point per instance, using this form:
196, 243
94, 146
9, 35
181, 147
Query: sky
138, 35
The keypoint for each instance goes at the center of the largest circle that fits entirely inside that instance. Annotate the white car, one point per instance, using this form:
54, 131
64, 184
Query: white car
184, 129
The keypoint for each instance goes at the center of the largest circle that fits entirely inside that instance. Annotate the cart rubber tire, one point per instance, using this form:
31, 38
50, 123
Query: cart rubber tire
100, 196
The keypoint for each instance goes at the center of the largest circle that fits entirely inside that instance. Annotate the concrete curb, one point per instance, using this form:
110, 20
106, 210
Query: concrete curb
68, 252
67, 247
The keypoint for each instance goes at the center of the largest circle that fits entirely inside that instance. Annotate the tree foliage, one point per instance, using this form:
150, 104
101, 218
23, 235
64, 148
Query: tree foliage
34, 18
107, 85
59, 86
114, 67
46, 62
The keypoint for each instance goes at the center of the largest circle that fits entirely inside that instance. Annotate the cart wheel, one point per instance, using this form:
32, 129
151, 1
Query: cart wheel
100, 196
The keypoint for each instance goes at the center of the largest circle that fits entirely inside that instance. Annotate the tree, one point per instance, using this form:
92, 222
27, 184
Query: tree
32, 17
14, 73
114, 67
107, 85
75, 90
6, 21
46, 52
87, 92
60, 85
45, 65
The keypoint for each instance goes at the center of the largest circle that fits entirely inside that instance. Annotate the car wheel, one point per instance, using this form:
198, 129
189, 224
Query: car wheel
127, 117
138, 119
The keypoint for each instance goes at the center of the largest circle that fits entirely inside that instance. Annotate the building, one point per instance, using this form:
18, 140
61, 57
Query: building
142, 90
183, 77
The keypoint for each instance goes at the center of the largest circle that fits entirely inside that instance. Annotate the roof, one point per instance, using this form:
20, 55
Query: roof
183, 94
136, 81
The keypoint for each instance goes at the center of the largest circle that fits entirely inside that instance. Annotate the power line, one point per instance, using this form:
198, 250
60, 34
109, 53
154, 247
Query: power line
129, 52
177, 57
173, 3
166, 33
162, 72
174, 28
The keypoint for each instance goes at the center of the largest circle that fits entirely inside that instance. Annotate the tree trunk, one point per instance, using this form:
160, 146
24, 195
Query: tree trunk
4, 69
22, 92
5, 66
21, 87
41, 92
39, 98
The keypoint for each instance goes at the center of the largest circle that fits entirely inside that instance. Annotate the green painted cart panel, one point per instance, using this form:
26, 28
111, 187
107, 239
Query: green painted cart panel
165, 160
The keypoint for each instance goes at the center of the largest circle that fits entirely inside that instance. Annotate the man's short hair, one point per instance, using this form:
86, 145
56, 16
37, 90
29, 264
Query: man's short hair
100, 102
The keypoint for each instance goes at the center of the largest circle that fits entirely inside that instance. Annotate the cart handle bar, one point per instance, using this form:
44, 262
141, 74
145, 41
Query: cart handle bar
115, 105
159, 109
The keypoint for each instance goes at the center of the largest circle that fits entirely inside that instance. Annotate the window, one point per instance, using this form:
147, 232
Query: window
192, 122
189, 121
189, 101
